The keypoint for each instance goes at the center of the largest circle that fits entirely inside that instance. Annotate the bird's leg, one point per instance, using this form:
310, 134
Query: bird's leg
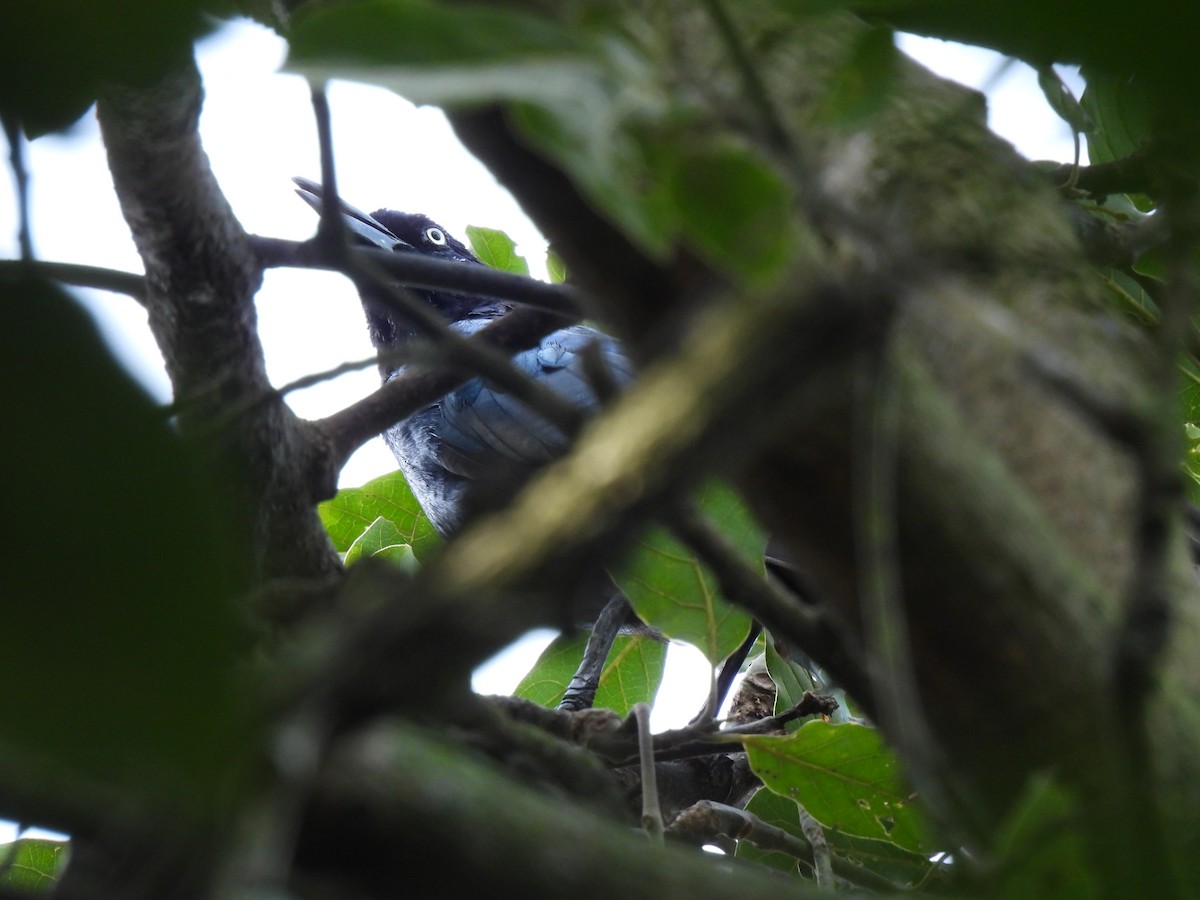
729, 671
581, 691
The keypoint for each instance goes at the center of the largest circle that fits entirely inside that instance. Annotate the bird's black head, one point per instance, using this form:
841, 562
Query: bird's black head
401, 232
424, 235
420, 234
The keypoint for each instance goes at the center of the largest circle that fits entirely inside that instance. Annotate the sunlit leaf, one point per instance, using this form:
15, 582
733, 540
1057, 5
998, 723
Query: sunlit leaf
353, 510
383, 540
496, 249
632, 674
846, 778
32, 864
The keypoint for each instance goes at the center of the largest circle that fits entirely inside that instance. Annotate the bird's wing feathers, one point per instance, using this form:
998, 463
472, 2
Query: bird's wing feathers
484, 429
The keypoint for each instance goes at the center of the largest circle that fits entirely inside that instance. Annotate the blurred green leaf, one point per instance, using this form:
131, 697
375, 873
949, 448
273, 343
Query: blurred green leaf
632, 674
383, 540
556, 268
865, 81
846, 778
32, 864
55, 55
579, 101
122, 561
436, 53
1129, 296
1041, 849
670, 589
1189, 403
353, 510
496, 249
883, 858
1118, 114
734, 207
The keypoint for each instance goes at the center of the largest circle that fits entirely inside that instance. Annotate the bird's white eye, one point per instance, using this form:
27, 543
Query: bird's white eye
435, 236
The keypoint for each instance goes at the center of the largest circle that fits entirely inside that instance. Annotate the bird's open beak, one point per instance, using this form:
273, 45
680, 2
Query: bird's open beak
358, 222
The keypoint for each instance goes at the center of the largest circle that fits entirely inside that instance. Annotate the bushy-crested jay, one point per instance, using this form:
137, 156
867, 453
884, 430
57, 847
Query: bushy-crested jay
477, 434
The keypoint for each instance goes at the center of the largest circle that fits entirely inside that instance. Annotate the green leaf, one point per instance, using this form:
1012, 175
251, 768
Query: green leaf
846, 778
1117, 109
670, 589
792, 679
32, 864
121, 562
883, 858
55, 55
581, 98
1129, 296
631, 675
496, 249
1189, 403
353, 510
734, 208
383, 540
556, 268
864, 83
1061, 100
1041, 848
437, 53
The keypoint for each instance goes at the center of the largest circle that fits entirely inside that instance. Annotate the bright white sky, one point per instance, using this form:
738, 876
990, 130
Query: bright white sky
258, 130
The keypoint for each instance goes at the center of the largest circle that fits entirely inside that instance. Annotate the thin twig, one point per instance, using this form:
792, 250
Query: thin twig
652, 821
331, 230
253, 402
706, 820
16, 156
81, 276
353, 426
1131, 174
822, 858
418, 271
756, 88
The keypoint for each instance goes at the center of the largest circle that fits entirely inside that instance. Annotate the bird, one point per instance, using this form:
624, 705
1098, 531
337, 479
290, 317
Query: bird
478, 436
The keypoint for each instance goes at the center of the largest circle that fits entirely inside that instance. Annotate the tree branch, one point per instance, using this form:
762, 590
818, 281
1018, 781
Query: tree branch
706, 820
398, 787
201, 276
1133, 174
417, 271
